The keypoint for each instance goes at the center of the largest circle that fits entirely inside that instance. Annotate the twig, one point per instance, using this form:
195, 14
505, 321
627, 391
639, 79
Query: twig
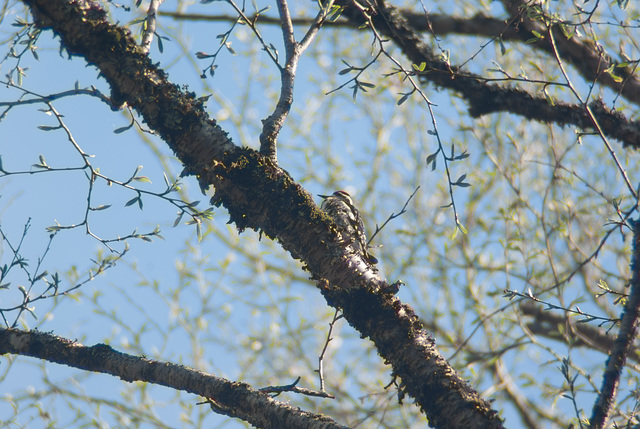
571, 382
511, 294
92, 91
393, 216
382, 10
40, 276
150, 25
277, 390
92, 174
320, 370
592, 118
251, 22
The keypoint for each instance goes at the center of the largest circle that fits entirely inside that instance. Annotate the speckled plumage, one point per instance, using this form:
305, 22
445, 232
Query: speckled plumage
339, 206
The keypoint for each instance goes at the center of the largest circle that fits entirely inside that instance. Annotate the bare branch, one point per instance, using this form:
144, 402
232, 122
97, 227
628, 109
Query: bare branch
150, 25
293, 387
237, 399
392, 216
320, 369
624, 340
273, 124
482, 96
546, 323
588, 58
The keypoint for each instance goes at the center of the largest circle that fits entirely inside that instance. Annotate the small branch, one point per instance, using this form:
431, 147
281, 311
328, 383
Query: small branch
293, 50
484, 98
150, 25
92, 174
624, 340
588, 58
409, 76
565, 369
511, 294
287, 28
545, 323
251, 22
92, 91
393, 215
320, 370
293, 387
41, 278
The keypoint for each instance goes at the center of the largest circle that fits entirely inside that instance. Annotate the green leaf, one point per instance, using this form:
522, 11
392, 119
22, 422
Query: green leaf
132, 201
42, 164
135, 173
335, 12
30, 310
460, 182
122, 129
48, 128
19, 22
160, 46
404, 98
178, 219
419, 68
202, 55
199, 229
432, 158
143, 179
101, 207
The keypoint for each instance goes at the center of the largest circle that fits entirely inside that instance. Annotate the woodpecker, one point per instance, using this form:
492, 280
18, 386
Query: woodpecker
339, 207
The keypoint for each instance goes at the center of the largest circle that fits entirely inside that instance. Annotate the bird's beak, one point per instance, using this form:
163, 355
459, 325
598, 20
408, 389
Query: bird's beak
324, 196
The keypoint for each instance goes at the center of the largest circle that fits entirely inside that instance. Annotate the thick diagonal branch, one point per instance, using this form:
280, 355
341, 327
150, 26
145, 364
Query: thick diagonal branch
261, 196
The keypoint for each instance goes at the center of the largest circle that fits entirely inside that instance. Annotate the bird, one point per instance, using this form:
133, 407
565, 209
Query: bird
339, 207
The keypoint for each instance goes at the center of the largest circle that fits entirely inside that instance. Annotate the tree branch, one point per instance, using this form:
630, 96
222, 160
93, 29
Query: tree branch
482, 96
293, 50
261, 196
589, 59
150, 25
545, 323
624, 340
234, 399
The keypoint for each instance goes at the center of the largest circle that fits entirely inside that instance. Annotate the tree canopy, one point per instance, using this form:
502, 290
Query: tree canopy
164, 261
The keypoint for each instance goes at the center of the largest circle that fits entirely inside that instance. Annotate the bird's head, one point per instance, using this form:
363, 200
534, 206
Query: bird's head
341, 195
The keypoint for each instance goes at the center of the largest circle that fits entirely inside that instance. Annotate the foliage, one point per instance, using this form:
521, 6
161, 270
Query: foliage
513, 216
